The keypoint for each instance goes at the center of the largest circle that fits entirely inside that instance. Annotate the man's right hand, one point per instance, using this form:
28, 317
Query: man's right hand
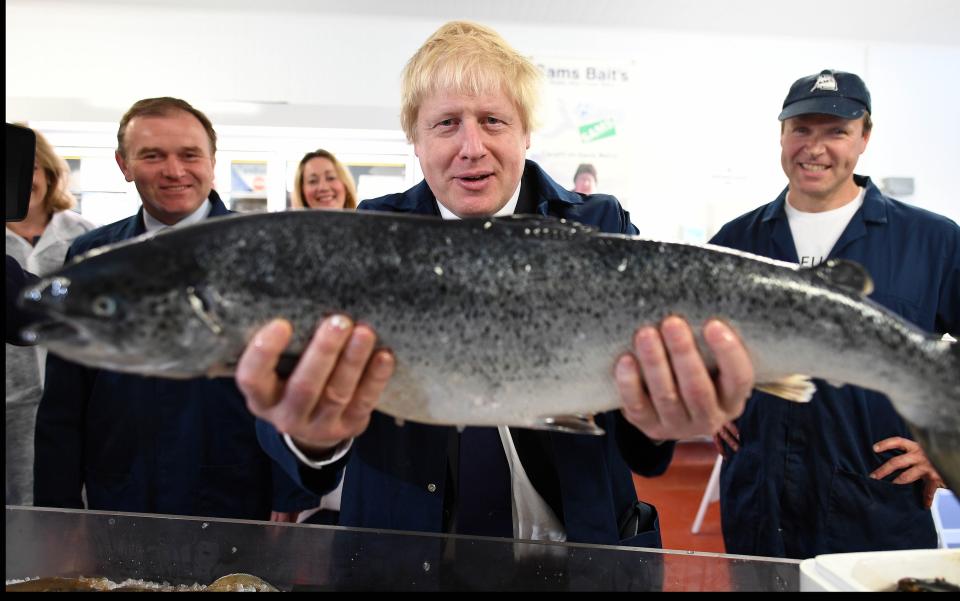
332, 391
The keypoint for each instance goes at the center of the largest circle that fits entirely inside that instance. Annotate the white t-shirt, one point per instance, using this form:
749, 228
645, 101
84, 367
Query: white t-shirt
154, 225
815, 234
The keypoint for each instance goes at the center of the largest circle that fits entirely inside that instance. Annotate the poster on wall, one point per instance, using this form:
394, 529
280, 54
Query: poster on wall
585, 123
248, 186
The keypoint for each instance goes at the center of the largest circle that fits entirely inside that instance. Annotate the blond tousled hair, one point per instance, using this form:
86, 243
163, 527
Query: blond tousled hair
471, 59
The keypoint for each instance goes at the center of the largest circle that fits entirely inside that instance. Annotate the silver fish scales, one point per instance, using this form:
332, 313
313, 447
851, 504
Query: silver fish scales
511, 321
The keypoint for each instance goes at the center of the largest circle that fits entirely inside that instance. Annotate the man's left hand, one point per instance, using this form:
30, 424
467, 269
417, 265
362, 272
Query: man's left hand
913, 462
666, 389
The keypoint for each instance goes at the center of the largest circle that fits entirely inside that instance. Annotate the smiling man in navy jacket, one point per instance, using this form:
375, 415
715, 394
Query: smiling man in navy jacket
144, 444
841, 473
467, 107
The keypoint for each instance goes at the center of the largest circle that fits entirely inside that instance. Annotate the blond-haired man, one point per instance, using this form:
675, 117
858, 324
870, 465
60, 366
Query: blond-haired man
468, 105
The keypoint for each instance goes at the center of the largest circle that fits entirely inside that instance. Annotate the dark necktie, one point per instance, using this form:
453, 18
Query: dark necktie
484, 506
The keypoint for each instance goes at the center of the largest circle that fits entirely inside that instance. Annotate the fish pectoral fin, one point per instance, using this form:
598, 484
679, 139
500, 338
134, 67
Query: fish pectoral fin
200, 301
849, 275
796, 388
222, 370
571, 424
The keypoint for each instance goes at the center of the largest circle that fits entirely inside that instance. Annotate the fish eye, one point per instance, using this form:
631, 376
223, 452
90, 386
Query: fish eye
104, 306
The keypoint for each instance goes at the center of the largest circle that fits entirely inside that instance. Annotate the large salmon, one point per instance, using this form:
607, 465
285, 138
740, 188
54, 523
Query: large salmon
511, 321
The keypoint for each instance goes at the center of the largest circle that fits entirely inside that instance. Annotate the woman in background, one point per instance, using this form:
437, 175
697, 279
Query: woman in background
322, 182
39, 244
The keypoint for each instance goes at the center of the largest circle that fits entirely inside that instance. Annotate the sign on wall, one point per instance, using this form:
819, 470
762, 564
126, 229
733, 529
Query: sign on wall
585, 118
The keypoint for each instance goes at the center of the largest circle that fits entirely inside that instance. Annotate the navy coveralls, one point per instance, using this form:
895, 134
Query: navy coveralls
799, 485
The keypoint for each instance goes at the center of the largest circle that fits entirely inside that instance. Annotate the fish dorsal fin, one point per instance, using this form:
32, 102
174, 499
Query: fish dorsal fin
200, 301
537, 225
848, 275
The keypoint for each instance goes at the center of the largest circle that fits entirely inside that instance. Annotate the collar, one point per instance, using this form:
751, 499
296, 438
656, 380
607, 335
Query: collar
419, 199
549, 190
153, 225
507, 209
874, 209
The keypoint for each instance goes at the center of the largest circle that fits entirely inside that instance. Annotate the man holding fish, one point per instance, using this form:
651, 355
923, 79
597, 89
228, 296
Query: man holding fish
467, 107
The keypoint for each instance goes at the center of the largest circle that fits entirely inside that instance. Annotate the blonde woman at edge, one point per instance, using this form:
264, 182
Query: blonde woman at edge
39, 243
322, 182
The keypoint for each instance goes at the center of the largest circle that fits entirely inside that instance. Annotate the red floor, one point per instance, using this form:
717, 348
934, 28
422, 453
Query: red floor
677, 495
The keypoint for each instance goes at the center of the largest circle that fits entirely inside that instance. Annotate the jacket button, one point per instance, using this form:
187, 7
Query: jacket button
432, 487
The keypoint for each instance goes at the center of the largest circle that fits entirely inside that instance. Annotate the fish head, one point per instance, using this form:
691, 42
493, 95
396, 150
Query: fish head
117, 310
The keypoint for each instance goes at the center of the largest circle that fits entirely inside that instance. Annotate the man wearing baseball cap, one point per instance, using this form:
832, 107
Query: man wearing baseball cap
841, 473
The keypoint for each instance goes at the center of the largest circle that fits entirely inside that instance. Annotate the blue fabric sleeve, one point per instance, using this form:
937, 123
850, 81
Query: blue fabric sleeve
307, 479
642, 456
948, 308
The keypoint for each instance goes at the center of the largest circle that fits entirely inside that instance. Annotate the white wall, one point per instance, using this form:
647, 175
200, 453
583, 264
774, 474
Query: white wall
704, 129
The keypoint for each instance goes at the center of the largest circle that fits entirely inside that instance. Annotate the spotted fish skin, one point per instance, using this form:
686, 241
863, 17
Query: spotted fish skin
492, 321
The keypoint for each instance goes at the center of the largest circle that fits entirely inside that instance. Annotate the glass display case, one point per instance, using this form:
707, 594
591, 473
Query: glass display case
186, 550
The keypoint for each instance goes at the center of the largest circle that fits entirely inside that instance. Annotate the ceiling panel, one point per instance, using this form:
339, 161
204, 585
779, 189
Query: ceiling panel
904, 21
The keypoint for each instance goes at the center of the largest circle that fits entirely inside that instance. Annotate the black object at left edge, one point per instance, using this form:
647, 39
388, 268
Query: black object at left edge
20, 151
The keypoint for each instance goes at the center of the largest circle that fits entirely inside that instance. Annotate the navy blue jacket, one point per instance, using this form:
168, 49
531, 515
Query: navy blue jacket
799, 485
142, 444
391, 468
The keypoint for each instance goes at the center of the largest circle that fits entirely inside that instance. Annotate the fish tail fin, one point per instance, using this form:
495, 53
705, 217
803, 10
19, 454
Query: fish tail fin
954, 367
797, 388
940, 447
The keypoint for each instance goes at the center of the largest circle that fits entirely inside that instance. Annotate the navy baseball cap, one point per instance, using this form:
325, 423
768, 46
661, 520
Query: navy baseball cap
835, 93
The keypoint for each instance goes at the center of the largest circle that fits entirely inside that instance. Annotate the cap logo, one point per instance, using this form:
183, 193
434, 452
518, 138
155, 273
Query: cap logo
825, 81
